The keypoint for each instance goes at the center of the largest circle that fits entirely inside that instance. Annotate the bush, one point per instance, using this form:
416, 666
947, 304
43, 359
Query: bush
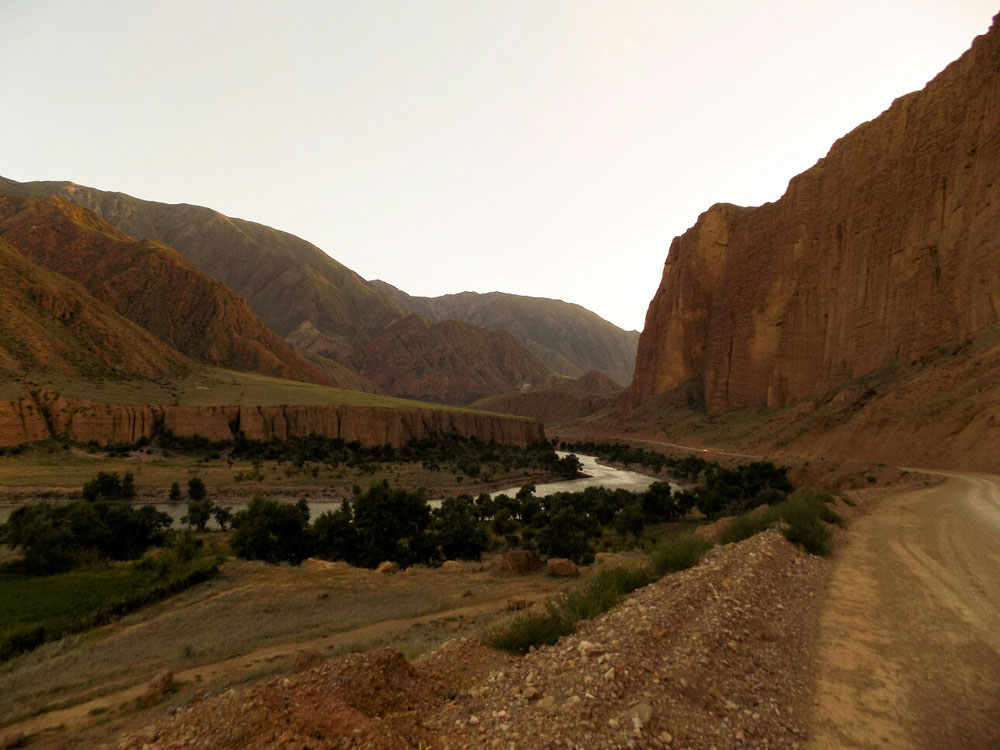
679, 553
108, 486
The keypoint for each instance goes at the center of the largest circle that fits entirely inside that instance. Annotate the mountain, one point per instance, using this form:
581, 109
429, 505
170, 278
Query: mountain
150, 284
50, 324
875, 258
569, 338
558, 398
450, 362
312, 300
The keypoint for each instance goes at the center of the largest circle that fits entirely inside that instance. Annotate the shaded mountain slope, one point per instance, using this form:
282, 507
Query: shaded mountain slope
50, 324
884, 249
452, 362
569, 338
150, 284
558, 398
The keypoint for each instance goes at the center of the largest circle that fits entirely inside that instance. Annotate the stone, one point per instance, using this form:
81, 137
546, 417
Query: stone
307, 660
641, 713
387, 568
531, 693
590, 650
560, 567
451, 565
162, 684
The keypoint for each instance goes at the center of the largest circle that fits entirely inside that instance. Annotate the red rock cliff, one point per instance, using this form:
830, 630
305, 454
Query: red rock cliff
887, 247
49, 415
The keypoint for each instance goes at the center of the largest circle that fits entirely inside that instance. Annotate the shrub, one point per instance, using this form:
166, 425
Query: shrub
679, 553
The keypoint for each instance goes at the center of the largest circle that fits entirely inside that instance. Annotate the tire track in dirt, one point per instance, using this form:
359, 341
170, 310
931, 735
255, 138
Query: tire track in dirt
910, 645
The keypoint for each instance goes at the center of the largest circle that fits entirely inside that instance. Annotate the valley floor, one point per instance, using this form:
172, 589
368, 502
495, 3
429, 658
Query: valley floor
891, 643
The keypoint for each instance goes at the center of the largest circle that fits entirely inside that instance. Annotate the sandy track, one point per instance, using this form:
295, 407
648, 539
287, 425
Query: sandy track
910, 644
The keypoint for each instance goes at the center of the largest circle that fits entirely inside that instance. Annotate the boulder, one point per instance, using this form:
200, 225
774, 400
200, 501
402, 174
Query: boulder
387, 568
162, 684
560, 567
517, 562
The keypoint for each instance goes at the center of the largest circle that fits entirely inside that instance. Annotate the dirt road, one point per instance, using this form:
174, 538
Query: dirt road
910, 654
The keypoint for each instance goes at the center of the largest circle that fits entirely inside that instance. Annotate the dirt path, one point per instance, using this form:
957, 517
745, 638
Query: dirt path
910, 645
228, 670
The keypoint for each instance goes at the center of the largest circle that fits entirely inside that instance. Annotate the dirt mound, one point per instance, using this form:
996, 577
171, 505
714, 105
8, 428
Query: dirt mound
713, 656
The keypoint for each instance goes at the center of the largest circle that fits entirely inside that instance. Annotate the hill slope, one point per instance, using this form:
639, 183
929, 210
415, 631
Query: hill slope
300, 292
558, 398
885, 249
569, 338
51, 324
151, 284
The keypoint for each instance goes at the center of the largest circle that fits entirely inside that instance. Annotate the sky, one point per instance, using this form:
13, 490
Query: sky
540, 147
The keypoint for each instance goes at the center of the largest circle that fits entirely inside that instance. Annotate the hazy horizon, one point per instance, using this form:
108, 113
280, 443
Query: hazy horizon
550, 149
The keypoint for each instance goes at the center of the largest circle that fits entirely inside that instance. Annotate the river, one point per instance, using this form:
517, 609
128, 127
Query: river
597, 476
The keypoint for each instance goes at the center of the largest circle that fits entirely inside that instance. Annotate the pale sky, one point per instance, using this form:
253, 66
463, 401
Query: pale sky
528, 146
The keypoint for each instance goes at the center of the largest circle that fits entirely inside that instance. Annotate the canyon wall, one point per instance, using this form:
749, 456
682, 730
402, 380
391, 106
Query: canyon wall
886, 248
49, 415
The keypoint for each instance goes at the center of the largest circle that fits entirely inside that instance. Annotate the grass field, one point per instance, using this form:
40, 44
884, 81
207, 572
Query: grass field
67, 602
214, 386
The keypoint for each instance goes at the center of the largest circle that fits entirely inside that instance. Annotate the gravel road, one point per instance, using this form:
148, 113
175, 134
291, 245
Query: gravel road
910, 632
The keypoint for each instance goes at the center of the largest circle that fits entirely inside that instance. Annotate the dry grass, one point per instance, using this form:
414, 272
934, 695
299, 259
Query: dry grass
261, 612
214, 386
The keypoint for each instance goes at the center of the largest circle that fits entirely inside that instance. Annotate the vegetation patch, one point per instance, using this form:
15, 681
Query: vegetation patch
602, 592
36, 609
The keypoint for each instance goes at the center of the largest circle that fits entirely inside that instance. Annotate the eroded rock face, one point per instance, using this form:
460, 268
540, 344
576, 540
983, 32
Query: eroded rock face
884, 249
46, 415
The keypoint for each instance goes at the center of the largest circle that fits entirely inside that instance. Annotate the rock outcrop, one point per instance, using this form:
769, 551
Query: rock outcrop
884, 249
44, 415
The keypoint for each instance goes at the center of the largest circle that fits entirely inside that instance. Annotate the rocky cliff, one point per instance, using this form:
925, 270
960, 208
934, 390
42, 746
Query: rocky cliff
43, 415
884, 249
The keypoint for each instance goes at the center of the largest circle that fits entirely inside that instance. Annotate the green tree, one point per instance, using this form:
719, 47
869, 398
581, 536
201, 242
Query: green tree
196, 489
458, 533
334, 536
630, 520
391, 525
272, 531
174, 495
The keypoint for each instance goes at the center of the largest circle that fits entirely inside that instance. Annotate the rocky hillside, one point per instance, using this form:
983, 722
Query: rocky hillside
884, 250
51, 324
150, 284
558, 398
569, 338
313, 301
450, 362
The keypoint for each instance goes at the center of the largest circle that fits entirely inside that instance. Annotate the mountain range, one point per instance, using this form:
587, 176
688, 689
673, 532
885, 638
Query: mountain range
363, 335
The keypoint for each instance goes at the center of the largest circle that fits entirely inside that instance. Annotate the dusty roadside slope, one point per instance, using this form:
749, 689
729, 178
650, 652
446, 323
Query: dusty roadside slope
713, 656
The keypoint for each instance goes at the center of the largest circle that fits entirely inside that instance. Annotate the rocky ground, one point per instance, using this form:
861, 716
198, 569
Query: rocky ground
716, 656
